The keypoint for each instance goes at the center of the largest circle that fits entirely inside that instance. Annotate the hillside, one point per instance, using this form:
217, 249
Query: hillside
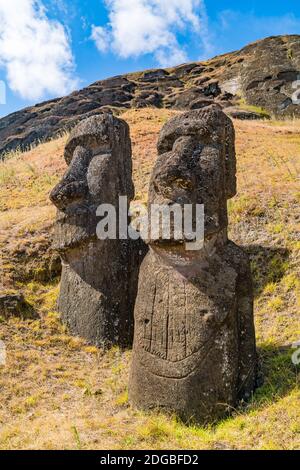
257, 78
59, 393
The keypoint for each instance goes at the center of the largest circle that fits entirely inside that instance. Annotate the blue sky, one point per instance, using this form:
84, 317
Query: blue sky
51, 47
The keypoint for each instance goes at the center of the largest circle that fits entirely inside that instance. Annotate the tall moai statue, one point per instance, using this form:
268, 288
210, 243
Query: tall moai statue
194, 341
99, 277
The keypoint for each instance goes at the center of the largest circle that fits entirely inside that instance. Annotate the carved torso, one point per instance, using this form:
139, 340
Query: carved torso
180, 318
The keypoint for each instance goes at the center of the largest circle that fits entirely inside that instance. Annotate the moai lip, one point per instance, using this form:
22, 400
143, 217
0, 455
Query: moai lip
99, 277
194, 347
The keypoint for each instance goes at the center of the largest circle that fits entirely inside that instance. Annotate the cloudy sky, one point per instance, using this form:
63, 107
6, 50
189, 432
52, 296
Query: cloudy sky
49, 48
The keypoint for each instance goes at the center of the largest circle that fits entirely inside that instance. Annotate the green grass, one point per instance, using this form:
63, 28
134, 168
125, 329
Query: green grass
255, 109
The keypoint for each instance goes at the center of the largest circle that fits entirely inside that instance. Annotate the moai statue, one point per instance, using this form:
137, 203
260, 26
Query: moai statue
194, 340
99, 277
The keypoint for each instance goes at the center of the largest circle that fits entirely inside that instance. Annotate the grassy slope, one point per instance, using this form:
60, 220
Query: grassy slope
59, 393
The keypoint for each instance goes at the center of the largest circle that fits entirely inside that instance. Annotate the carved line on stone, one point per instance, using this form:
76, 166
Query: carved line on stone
154, 359
167, 318
197, 355
185, 319
149, 312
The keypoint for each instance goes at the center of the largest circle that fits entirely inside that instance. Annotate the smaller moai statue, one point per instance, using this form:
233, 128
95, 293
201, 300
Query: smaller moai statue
99, 276
194, 350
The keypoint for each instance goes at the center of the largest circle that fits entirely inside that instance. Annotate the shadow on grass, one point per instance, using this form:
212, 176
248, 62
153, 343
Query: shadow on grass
267, 265
279, 376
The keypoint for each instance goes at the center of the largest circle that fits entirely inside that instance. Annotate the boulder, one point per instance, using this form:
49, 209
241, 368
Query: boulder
147, 98
13, 304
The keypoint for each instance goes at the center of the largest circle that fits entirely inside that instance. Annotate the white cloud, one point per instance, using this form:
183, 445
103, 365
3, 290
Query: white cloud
138, 27
101, 37
34, 50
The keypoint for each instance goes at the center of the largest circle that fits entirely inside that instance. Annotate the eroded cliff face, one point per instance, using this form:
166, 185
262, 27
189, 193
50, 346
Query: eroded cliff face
263, 74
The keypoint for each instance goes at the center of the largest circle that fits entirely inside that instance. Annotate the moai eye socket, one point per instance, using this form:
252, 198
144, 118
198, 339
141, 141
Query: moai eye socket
102, 150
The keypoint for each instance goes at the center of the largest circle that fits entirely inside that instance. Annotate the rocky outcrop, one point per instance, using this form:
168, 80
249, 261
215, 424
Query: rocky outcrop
99, 276
194, 341
246, 115
263, 73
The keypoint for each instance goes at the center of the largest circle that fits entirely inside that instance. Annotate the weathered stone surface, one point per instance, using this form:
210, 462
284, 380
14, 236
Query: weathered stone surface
201, 103
147, 98
154, 75
268, 74
187, 98
263, 73
194, 343
99, 277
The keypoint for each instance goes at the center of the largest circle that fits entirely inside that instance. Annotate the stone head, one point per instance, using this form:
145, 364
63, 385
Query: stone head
98, 154
197, 165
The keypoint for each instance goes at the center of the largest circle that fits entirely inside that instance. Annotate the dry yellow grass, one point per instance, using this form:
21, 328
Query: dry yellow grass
59, 393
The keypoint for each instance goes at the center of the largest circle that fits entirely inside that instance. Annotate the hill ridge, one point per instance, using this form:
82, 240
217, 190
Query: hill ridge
260, 74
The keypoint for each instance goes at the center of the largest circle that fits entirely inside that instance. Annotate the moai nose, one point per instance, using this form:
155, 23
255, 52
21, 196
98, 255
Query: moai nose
73, 186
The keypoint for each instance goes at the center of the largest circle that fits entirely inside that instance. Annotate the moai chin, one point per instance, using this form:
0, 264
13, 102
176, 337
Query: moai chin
98, 276
194, 342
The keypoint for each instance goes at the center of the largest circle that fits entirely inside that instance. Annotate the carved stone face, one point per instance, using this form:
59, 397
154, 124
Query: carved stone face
99, 157
196, 165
